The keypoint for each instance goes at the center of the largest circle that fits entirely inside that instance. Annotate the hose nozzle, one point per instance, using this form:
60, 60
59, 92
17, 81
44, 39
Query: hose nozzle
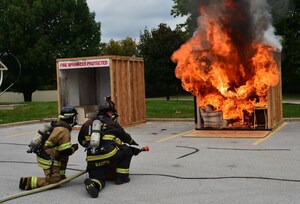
146, 148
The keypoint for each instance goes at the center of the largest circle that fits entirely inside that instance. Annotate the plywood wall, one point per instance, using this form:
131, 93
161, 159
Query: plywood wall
128, 89
274, 98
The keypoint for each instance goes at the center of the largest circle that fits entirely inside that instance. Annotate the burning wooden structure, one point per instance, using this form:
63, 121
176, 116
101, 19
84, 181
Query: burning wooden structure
263, 117
84, 82
232, 67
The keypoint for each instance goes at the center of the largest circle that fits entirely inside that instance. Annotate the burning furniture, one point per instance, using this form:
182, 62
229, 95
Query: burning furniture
84, 82
212, 119
260, 116
232, 64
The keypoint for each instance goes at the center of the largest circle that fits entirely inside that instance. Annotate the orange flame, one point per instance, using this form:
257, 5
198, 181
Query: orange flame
232, 80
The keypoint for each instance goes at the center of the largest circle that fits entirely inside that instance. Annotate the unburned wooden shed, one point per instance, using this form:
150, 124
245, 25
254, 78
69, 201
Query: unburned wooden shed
84, 82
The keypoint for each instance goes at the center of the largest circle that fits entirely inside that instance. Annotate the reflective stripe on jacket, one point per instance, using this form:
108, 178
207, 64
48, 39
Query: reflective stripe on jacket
102, 156
59, 140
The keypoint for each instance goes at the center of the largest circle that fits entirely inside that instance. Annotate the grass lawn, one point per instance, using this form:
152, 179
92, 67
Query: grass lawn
32, 111
169, 109
156, 108
291, 110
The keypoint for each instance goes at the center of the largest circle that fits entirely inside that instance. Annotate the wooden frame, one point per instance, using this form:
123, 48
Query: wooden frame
274, 97
126, 86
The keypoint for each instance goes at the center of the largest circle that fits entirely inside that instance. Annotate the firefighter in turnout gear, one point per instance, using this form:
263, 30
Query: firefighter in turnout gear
106, 144
53, 148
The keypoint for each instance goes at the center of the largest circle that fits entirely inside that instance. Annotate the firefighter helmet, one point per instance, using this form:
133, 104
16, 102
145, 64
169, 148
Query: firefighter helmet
69, 115
107, 105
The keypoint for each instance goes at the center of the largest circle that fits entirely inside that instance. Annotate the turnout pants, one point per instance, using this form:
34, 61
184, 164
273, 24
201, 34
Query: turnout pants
50, 178
54, 175
99, 171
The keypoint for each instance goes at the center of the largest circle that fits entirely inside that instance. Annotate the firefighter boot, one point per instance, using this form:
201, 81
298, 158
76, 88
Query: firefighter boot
23, 183
122, 179
91, 188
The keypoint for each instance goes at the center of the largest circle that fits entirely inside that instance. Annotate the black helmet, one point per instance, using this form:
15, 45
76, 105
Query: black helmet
69, 115
107, 105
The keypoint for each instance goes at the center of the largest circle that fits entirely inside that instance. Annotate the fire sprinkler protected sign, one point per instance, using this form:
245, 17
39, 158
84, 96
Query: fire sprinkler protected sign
77, 64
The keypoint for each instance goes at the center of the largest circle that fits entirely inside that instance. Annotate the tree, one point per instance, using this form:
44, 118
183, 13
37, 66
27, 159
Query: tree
38, 32
279, 9
288, 28
157, 47
189, 8
126, 47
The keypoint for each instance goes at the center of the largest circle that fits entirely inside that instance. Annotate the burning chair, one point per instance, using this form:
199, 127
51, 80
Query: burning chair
212, 119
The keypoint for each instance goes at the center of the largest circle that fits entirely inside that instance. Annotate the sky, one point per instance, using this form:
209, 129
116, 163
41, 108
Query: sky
120, 19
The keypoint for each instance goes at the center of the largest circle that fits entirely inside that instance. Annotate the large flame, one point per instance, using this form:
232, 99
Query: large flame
226, 67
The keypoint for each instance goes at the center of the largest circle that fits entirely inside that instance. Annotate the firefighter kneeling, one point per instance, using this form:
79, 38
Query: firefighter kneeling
107, 150
53, 147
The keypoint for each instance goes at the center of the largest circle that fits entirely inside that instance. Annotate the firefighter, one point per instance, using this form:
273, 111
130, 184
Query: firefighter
53, 154
110, 152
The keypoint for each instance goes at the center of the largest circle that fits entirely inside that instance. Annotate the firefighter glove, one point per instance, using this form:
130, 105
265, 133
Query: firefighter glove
135, 151
134, 143
75, 147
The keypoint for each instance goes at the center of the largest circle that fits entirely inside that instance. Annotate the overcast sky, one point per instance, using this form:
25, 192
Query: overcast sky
120, 19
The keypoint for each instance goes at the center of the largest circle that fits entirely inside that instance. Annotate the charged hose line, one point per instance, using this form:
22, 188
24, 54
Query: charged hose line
220, 177
6, 143
159, 175
196, 150
23, 162
239, 149
37, 190
209, 178
186, 178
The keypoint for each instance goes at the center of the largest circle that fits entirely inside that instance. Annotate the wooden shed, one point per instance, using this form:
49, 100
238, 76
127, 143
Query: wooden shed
263, 118
84, 82
274, 97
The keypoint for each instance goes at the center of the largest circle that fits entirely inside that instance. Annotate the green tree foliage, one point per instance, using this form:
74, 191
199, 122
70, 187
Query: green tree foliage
38, 32
188, 8
279, 9
126, 47
157, 47
289, 29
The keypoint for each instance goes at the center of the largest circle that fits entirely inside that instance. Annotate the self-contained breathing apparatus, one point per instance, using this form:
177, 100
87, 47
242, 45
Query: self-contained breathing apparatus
37, 143
95, 136
40, 138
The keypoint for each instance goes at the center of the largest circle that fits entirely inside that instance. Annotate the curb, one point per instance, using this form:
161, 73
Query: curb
148, 120
27, 122
291, 119
170, 119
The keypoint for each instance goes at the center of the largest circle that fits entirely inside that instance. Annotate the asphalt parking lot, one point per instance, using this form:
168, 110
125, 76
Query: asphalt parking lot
177, 169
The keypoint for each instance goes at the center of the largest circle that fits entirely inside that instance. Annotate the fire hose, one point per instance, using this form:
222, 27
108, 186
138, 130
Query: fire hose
37, 190
50, 186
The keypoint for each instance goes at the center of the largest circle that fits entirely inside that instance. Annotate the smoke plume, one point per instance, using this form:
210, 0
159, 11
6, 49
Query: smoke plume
246, 21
